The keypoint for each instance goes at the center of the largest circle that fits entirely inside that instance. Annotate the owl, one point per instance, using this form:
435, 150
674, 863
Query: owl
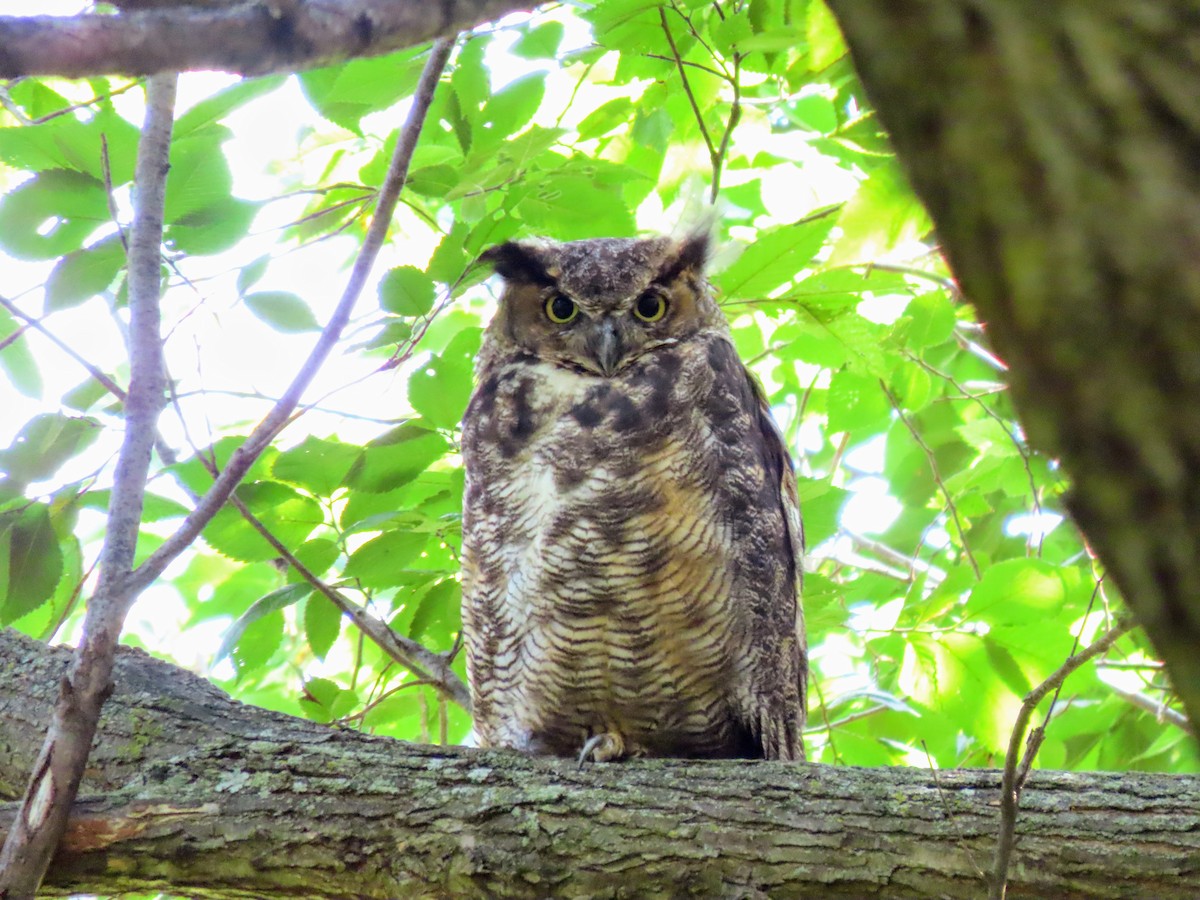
631, 533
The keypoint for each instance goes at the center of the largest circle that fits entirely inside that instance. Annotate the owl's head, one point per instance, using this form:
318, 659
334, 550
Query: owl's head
598, 305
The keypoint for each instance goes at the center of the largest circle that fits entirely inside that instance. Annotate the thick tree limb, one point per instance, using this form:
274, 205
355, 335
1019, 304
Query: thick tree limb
248, 38
43, 812
1057, 147
190, 789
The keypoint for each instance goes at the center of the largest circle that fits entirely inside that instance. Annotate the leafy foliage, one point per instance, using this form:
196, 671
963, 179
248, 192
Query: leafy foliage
944, 580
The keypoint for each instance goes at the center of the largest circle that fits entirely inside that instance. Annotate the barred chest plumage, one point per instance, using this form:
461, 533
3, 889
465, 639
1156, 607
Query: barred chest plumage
608, 563
631, 536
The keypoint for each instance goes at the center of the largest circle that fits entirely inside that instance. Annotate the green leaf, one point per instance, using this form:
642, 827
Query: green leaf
439, 390
438, 612
856, 402
31, 562
540, 42
51, 214
16, 359
282, 310
46, 442
821, 507
290, 516
882, 215
316, 464
396, 458
380, 562
211, 110
251, 274
775, 258
322, 623
214, 228
931, 320
260, 644
81, 275
346, 92
824, 37
406, 291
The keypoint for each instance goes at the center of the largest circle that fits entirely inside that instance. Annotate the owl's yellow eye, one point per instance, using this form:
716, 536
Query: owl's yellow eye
561, 309
650, 307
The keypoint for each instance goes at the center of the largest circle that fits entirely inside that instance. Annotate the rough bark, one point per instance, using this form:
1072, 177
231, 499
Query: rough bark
191, 792
1057, 146
251, 38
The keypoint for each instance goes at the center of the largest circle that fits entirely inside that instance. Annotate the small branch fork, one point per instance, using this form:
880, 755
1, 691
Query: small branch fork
42, 816
716, 152
1016, 766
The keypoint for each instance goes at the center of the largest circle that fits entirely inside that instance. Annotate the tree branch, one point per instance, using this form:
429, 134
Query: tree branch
59, 767
225, 800
1011, 786
251, 38
258, 440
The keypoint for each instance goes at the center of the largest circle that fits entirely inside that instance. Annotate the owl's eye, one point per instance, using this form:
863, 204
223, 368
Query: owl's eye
650, 307
561, 309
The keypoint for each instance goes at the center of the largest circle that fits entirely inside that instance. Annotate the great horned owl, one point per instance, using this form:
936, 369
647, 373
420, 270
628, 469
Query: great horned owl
631, 534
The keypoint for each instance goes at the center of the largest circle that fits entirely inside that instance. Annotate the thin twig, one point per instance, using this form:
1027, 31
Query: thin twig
687, 87
937, 783
937, 476
1009, 788
58, 771
1021, 449
1156, 708
430, 667
111, 386
278, 417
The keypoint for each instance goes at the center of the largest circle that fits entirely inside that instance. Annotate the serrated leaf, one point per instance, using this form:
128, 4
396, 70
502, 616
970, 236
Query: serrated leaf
396, 458
540, 42
856, 401
438, 611
33, 561
440, 389
266, 606
44, 443
931, 320
282, 310
883, 214
81, 275
51, 214
775, 258
289, 515
316, 464
380, 562
322, 623
252, 273
406, 291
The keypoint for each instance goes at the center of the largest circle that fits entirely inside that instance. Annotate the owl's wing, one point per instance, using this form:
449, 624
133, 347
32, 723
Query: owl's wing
774, 694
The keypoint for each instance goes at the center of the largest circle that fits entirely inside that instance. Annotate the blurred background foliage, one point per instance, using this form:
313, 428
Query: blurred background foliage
943, 581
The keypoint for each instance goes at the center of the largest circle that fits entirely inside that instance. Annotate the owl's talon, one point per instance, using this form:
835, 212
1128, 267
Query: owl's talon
602, 747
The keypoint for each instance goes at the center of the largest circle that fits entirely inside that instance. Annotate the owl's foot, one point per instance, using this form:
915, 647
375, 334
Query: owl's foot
603, 747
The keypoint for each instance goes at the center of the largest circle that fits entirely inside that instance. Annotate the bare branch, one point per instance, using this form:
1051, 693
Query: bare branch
277, 418
251, 38
59, 767
1010, 789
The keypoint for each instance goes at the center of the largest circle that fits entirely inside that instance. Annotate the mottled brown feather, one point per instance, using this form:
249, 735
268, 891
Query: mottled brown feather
631, 535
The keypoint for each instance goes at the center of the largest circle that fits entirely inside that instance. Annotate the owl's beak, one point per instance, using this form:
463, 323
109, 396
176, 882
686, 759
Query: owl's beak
608, 346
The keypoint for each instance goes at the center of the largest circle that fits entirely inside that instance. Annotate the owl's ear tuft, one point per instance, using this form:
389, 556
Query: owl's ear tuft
690, 255
516, 261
